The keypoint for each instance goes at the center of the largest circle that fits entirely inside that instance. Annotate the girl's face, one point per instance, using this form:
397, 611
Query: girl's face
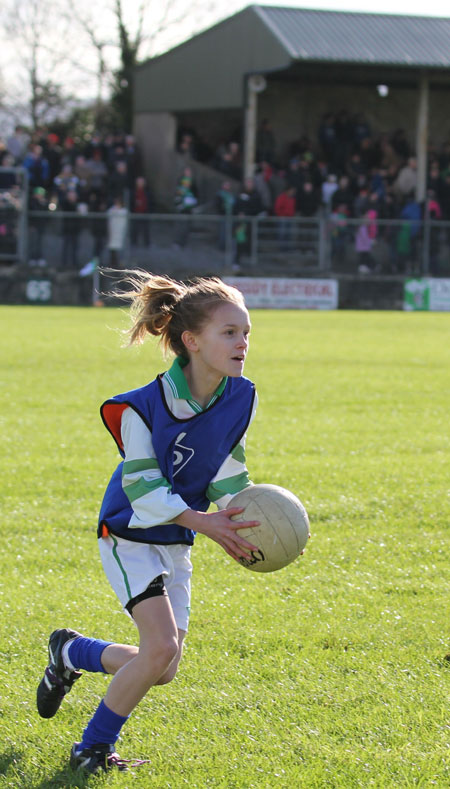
220, 348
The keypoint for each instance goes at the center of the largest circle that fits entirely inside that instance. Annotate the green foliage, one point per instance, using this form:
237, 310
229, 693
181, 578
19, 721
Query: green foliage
329, 673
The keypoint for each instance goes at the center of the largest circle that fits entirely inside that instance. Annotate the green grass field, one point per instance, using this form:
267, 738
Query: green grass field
329, 673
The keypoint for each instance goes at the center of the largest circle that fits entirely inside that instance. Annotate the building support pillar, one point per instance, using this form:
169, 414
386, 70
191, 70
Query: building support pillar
250, 122
255, 84
422, 138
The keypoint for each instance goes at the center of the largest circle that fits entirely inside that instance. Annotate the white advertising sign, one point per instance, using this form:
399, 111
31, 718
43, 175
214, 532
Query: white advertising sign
287, 294
440, 295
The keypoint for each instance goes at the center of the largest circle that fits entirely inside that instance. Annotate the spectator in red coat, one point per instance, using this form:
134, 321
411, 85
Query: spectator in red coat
285, 208
141, 206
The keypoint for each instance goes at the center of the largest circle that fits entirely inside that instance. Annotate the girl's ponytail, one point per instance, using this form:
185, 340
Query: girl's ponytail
166, 308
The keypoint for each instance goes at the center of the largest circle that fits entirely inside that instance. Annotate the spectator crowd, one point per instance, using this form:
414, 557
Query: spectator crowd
347, 168
347, 172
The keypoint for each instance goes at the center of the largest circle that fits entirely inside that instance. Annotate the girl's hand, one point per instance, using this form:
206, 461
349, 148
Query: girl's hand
219, 527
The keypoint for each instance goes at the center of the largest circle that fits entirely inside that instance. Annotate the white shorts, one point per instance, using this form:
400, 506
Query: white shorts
131, 566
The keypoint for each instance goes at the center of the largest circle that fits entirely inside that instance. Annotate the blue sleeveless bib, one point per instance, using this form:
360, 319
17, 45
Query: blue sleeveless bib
189, 452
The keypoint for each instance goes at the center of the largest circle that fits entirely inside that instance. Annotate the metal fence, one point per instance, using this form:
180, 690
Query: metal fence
201, 243
291, 247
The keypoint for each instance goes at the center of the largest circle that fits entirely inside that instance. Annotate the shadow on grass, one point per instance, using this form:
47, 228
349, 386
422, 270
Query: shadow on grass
64, 779
9, 759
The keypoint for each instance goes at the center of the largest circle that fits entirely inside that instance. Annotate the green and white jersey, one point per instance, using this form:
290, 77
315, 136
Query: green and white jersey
150, 494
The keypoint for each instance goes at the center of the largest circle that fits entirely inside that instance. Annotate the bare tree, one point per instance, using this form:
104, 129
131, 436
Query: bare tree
62, 47
129, 32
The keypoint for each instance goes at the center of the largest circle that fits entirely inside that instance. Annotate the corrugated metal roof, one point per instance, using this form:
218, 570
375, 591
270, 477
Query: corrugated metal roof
338, 36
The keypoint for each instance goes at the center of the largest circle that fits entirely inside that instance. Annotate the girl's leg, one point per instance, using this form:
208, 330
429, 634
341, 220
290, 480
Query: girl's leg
158, 648
117, 655
152, 663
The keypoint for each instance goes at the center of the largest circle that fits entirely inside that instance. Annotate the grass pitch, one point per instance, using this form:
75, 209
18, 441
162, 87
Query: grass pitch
329, 673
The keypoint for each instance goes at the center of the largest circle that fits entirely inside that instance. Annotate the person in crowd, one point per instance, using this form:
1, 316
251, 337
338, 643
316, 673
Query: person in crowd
97, 173
343, 195
83, 172
327, 138
7, 179
17, 144
185, 201
118, 182
248, 204
361, 202
344, 134
408, 235
364, 242
308, 200
141, 205
248, 201
37, 167
360, 129
285, 209
224, 205
132, 157
261, 181
52, 152
339, 232
400, 144
38, 202
265, 142
69, 152
66, 181
228, 160
329, 187
434, 176
71, 228
406, 181
433, 213
117, 231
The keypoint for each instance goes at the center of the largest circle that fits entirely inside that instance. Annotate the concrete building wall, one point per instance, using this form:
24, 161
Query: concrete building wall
156, 136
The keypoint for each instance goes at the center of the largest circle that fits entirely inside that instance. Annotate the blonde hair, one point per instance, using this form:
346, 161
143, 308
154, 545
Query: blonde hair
165, 308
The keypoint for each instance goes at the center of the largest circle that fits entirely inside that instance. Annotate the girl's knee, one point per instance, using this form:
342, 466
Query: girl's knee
160, 654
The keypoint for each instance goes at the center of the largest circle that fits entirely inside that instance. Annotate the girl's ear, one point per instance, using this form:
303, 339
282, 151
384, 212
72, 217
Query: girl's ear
190, 343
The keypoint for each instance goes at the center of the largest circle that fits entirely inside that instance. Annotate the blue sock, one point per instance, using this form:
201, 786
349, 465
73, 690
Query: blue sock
85, 653
104, 727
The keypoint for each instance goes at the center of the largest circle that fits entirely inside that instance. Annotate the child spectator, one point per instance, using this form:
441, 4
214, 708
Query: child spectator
363, 245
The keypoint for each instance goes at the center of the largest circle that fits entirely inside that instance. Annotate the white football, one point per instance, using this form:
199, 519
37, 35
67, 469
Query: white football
284, 528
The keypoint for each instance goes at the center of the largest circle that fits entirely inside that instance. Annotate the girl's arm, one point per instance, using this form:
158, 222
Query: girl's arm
154, 503
149, 493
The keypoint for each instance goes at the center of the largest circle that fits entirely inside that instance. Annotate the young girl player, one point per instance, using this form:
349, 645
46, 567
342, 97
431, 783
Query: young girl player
182, 440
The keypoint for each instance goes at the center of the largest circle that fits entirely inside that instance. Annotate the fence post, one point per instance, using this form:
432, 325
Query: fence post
322, 243
228, 240
426, 241
22, 245
254, 242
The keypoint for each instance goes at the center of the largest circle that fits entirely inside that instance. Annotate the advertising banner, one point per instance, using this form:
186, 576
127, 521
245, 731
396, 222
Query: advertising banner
287, 294
427, 294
